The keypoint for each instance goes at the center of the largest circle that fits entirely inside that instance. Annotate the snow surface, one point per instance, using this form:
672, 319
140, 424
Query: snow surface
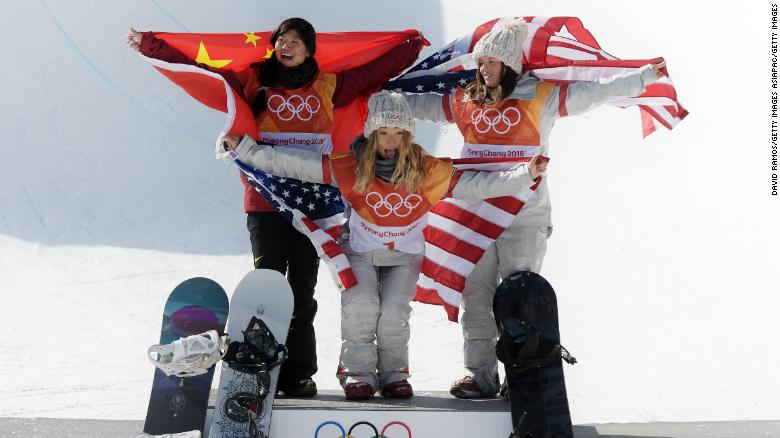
664, 253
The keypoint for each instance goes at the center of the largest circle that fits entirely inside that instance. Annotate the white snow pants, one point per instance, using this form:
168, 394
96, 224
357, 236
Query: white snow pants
519, 248
375, 317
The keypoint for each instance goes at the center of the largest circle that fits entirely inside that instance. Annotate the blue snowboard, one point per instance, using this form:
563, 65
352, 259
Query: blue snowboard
179, 404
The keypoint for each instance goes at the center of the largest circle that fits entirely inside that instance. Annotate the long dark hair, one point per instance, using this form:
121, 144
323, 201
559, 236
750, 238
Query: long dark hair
479, 91
273, 74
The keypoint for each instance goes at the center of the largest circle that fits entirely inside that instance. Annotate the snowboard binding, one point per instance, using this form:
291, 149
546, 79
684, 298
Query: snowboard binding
258, 354
187, 357
243, 408
524, 348
528, 325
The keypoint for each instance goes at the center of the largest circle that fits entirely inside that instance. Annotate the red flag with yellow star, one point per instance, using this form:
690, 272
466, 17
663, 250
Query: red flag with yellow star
336, 51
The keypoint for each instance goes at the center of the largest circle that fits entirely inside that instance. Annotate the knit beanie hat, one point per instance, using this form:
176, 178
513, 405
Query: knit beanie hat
388, 110
504, 43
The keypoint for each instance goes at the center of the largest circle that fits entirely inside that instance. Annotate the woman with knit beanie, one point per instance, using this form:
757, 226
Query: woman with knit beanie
508, 112
389, 184
271, 87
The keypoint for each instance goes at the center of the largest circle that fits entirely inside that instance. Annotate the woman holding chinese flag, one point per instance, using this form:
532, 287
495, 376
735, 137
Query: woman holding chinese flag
390, 184
506, 112
293, 102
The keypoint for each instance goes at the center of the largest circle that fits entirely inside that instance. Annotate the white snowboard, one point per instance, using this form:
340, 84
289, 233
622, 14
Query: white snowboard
264, 294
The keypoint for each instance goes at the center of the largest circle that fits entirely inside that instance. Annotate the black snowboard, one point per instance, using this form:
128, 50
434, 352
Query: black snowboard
529, 345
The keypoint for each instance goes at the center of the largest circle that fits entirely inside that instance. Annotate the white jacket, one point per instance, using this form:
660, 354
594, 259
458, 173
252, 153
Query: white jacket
580, 97
307, 166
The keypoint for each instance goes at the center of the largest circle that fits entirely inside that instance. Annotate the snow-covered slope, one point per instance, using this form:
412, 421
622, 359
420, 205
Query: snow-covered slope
663, 255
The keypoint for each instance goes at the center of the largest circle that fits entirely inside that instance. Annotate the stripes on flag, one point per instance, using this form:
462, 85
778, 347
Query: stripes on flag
316, 210
456, 237
458, 234
559, 50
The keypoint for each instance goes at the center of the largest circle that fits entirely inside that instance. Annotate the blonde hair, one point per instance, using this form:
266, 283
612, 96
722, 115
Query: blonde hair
409, 170
479, 91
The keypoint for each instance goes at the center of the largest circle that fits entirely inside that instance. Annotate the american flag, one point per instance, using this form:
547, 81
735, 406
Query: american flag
559, 50
316, 210
459, 232
456, 236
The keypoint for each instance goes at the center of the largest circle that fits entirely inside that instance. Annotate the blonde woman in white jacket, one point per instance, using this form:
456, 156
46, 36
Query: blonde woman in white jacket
506, 112
389, 184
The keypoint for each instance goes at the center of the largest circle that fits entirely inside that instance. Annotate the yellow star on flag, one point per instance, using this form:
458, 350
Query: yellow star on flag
268, 53
251, 38
204, 58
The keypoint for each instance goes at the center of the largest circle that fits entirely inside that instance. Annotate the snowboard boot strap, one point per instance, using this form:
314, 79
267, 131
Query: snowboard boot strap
187, 357
246, 358
522, 365
241, 408
258, 353
566, 356
258, 334
519, 343
254, 431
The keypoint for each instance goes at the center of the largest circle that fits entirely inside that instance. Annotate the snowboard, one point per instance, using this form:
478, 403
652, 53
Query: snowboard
179, 404
260, 312
529, 345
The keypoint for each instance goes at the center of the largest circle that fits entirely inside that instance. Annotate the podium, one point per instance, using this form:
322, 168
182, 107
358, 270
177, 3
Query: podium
426, 415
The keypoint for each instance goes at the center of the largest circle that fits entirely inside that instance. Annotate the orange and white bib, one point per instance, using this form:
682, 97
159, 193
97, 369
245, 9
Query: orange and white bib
510, 129
386, 215
302, 117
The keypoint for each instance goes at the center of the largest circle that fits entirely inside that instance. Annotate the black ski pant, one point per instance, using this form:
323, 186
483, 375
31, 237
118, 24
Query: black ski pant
277, 245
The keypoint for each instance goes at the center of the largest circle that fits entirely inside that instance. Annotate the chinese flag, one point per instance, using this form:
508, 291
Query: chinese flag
336, 51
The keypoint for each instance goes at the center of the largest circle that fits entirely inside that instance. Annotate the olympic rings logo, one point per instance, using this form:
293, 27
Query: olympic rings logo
366, 424
294, 106
499, 121
393, 204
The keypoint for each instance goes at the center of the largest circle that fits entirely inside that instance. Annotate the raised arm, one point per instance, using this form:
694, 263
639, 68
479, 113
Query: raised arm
149, 45
431, 107
301, 164
353, 82
483, 185
586, 95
